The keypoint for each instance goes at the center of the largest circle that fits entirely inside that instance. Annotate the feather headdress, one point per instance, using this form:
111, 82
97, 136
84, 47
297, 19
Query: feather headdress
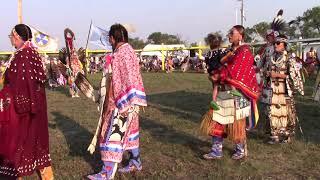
279, 24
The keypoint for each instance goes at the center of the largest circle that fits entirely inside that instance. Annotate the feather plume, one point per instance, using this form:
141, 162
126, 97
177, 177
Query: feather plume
293, 22
53, 71
279, 23
63, 55
82, 55
280, 13
62, 69
84, 86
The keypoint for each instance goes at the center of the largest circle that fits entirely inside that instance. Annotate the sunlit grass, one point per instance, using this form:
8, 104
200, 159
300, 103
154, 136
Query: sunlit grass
170, 144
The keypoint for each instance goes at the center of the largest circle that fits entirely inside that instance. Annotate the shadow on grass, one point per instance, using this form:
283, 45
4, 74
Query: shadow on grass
78, 138
309, 113
61, 89
192, 105
186, 105
165, 134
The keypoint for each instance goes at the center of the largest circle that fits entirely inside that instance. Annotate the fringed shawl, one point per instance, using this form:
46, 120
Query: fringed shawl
242, 74
127, 82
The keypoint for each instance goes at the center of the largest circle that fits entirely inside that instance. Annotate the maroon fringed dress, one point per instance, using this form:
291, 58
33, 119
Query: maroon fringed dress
24, 144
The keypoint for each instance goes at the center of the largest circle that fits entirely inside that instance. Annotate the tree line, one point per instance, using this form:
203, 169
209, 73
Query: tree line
305, 26
156, 38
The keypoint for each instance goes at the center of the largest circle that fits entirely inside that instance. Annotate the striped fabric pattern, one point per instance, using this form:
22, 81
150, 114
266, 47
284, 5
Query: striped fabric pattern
132, 96
252, 120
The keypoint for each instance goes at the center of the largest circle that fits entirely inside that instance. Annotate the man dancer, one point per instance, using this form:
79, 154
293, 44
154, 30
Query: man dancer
283, 78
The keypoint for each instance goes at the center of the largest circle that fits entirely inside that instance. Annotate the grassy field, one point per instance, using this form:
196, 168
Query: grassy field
170, 143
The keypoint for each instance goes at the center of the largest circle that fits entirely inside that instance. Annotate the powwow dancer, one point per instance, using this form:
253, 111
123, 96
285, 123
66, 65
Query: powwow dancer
264, 55
169, 64
73, 62
121, 95
230, 120
263, 60
55, 76
24, 145
281, 77
284, 79
316, 91
311, 61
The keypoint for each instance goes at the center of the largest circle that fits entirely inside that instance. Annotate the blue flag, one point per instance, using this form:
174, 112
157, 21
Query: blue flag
99, 37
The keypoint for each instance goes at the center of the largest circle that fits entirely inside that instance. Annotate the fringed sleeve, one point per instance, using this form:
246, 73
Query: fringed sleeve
294, 80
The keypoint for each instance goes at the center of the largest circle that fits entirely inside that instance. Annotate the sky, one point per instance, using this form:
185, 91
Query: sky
190, 19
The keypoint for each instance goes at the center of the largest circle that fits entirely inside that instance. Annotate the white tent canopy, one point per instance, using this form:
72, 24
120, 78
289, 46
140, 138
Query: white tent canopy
155, 49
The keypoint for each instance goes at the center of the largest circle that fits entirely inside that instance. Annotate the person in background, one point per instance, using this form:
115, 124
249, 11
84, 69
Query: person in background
169, 65
311, 61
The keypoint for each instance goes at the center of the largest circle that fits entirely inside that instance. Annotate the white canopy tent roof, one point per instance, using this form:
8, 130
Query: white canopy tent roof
155, 49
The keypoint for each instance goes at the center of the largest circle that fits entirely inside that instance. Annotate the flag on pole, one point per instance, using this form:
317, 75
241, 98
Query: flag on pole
43, 41
99, 37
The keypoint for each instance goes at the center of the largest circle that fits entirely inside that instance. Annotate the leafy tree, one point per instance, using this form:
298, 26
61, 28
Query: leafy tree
306, 26
311, 22
257, 31
159, 38
261, 28
155, 38
296, 28
250, 34
137, 43
193, 44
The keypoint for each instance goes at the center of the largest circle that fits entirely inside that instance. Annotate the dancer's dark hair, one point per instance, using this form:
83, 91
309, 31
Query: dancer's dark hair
119, 33
213, 40
23, 31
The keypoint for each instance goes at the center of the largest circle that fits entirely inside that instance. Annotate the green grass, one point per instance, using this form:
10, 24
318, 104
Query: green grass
170, 143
